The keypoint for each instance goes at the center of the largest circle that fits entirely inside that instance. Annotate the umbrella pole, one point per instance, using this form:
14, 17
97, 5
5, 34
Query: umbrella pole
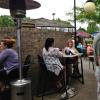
18, 34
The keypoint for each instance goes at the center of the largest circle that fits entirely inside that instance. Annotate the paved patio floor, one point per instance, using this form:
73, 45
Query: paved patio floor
86, 91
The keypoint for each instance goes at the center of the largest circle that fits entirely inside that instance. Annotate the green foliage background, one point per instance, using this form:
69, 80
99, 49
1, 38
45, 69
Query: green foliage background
92, 19
8, 21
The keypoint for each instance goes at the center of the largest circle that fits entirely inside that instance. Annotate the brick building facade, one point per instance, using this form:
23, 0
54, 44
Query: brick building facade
32, 41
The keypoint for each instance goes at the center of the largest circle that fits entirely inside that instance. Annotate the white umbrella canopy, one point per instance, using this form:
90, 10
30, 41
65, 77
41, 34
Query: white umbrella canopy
83, 34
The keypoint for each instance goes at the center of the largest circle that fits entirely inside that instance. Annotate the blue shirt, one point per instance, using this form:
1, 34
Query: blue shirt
9, 58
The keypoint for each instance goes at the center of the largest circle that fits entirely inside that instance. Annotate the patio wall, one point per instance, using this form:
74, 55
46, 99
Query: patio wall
32, 41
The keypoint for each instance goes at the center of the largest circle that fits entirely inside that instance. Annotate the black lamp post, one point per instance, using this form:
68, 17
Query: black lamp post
75, 32
53, 14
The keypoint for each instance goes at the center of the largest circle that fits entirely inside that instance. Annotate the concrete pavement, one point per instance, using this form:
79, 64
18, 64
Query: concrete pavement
86, 91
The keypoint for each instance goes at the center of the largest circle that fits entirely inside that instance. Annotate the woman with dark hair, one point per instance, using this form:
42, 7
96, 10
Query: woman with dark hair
51, 58
8, 58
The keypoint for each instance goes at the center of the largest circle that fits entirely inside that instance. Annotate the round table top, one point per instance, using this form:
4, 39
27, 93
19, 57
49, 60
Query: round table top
91, 56
30, 4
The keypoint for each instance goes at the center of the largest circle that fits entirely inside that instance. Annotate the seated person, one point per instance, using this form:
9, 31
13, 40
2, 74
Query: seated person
71, 50
89, 50
51, 58
81, 48
8, 58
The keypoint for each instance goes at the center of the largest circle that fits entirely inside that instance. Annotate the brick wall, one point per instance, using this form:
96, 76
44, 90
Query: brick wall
32, 41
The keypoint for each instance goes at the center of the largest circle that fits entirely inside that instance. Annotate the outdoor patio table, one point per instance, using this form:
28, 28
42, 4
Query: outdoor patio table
68, 61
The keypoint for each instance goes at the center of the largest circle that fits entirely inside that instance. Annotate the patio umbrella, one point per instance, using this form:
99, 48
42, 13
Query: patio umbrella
83, 34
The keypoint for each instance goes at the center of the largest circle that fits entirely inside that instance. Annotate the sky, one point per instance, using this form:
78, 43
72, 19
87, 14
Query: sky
59, 7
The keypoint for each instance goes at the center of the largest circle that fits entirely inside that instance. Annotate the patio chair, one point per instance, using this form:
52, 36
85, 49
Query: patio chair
14, 75
91, 60
45, 77
27, 65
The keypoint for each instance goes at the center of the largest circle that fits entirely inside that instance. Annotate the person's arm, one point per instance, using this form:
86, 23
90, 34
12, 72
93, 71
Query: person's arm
3, 55
67, 50
97, 56
58, 52
98, 60
64, 50
1, 48
74, 51
96, 48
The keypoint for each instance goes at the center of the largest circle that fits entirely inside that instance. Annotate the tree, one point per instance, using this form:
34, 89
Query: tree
92, 27
92, 19
6, 21
60, 22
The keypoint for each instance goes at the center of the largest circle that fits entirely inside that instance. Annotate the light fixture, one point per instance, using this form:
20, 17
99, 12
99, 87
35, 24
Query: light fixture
89, 6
